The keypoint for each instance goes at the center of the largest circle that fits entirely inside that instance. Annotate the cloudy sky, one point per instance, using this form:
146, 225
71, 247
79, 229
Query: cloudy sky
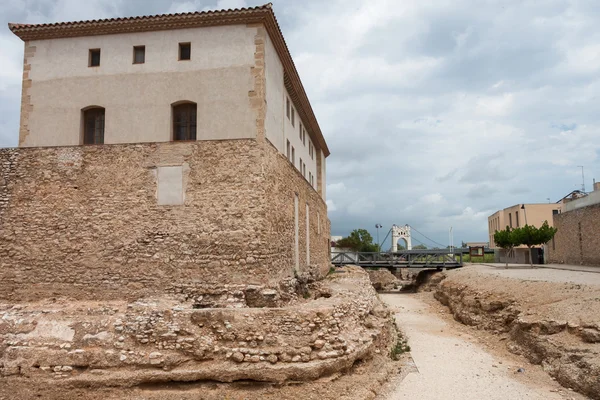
437, 112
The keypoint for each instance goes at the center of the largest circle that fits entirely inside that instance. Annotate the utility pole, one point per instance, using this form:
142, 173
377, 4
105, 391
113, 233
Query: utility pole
451, 240
377, 226
582, 179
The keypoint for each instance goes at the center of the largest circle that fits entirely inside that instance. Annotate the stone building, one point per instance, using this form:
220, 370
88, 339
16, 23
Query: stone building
577, 240
157, 150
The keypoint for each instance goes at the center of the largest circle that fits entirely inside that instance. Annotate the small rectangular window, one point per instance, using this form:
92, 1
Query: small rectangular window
304, 138
94, 58
300, 130
185, 51
287, 107
300, 166
139, 54
288, 151
293, 115
293, 156
304, 170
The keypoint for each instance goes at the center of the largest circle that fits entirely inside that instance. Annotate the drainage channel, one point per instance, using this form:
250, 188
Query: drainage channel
450, 364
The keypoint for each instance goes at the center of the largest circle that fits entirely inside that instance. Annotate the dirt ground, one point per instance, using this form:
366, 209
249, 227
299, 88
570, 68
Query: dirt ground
557, 294
363, 382
550, 317
453, 361
447, 360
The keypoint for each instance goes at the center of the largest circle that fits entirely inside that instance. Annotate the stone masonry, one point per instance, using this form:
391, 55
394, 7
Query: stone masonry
84, 221
117, 343
577, 240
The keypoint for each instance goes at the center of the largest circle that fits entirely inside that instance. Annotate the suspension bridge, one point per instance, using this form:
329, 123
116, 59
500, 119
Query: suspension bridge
445, 257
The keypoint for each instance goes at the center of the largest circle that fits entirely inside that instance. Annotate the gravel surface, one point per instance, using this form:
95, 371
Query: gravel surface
452, 364
548, 273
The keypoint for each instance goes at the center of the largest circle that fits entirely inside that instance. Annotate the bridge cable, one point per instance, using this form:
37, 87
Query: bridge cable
439, 244
386, 236
419, 242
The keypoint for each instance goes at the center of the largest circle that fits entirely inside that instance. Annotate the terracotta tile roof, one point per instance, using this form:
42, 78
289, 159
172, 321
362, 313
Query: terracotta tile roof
261, 14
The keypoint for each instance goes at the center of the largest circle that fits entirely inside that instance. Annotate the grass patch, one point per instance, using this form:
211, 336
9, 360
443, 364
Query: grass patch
400, 347
487, 258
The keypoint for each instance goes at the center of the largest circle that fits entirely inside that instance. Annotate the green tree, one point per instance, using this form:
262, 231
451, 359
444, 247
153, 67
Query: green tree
420, 247
531, 236
507, 240
359, 240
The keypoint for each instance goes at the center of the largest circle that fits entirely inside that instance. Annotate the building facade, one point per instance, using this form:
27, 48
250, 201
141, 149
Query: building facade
161, 149
520, 215
577, 239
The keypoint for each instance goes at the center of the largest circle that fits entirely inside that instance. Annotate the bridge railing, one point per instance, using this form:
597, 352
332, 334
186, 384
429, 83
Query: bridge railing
407, 258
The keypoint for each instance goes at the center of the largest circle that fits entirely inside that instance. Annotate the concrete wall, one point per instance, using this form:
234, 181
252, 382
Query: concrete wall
278, 126
138, 97
275, 95
591, 199
577, 240
84, 221
292, 133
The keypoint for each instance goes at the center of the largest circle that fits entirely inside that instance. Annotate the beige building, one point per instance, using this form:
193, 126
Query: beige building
520, 215
140, 80
166, 153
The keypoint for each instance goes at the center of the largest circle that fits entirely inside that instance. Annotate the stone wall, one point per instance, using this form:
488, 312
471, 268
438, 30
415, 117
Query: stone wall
283, 183
84, 222
577, 240
116, 343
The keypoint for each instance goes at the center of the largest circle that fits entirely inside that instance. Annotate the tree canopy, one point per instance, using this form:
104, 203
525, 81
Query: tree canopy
527, 235
358, 240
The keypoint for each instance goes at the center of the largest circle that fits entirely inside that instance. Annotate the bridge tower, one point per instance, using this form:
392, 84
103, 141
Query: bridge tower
401, 232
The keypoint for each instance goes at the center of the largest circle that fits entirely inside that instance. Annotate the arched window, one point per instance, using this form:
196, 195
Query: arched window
93, 125
184, 121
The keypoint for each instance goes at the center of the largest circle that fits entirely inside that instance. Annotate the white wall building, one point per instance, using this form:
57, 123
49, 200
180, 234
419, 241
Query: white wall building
150, 79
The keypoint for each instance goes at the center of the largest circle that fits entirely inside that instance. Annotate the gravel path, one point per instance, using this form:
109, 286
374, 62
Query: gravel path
451, 366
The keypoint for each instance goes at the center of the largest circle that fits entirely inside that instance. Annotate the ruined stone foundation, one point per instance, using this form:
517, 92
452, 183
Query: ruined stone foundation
299, 332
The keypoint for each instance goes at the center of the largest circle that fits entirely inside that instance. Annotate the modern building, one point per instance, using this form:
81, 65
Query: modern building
520, 215
161, 149
515, 217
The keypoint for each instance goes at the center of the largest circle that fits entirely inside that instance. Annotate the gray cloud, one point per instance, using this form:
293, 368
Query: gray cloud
436, 113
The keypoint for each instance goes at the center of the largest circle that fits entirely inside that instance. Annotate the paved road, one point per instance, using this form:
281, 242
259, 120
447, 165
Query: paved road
550, 273
452, 367
565, 267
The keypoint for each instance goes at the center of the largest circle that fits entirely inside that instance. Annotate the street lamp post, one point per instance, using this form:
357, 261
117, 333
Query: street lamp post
377, 226
524, 213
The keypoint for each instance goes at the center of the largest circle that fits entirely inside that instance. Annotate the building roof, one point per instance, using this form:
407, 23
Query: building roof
261, 14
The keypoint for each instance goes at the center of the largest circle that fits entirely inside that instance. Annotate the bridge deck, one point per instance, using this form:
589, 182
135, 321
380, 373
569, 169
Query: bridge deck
400, 259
